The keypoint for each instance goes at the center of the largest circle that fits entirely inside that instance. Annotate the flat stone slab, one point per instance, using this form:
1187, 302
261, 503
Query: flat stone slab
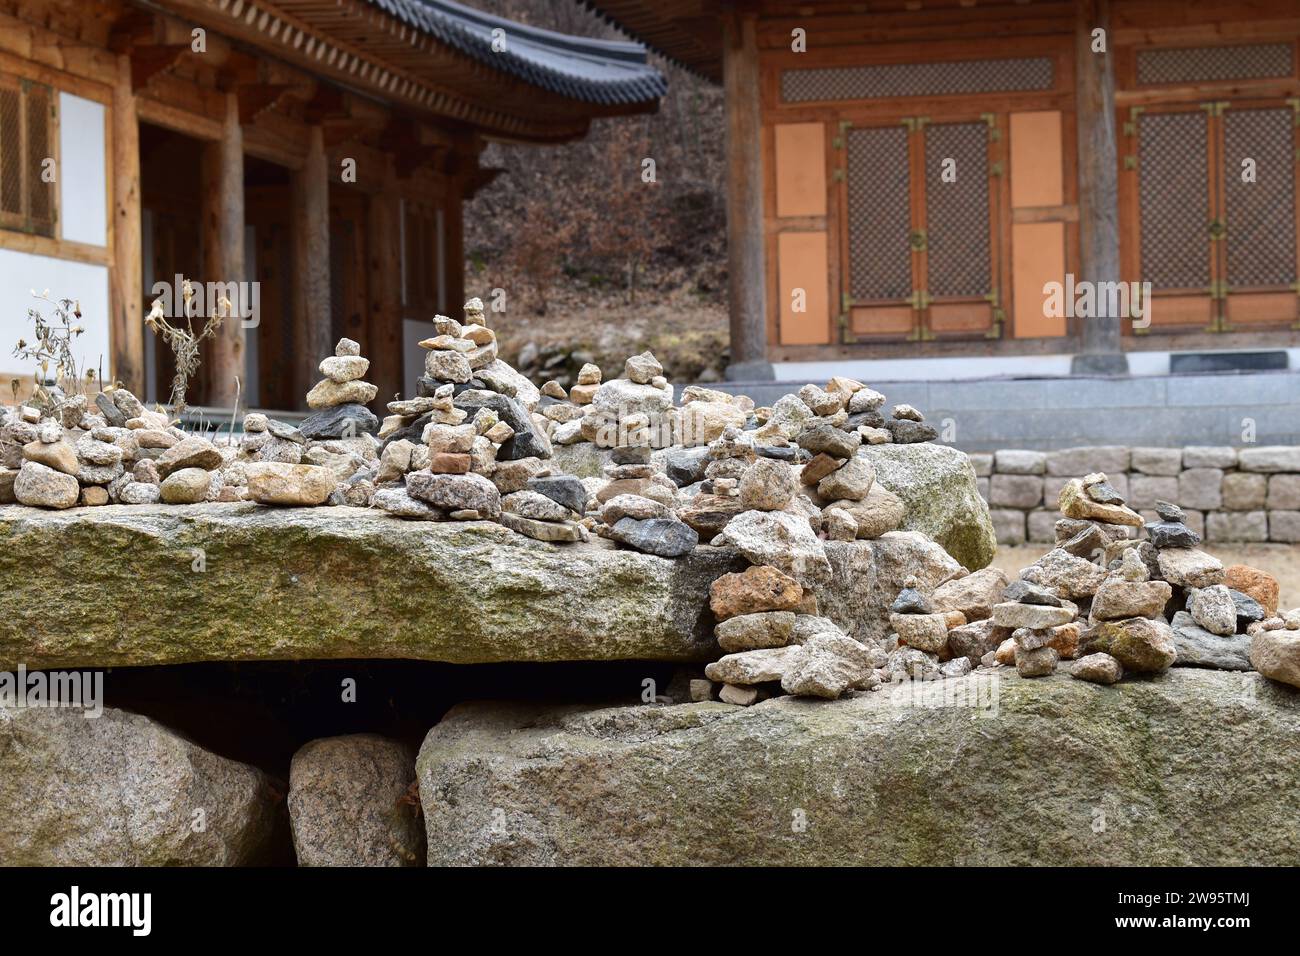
1192, 767
124, 585
156, 584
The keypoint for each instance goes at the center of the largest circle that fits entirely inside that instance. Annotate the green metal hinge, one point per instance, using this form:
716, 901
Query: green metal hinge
913, 123
837, 176
1217, 229
838, 141
846, 335
999, 317
846, 302
920, 299
992, 297
1130, 125
918, 240
991, 120
1130, 162
1215, 107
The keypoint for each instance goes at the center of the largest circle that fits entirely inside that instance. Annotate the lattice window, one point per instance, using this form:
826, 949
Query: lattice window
917, 79
26, 142
1260, 215
1174, 199
1211, 64
880, 263
957, 213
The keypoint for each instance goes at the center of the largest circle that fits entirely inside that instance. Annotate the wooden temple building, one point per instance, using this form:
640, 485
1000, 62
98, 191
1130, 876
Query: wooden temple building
906, 176
321, 149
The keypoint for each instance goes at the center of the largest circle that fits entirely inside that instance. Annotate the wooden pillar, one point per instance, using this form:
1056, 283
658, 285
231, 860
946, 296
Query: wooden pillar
383, 342
223, 254
309, 221
1099, 335
127, 305
745, 269
453, 263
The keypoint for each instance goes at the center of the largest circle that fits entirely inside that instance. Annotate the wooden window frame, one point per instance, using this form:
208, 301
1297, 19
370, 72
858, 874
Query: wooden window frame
21, 221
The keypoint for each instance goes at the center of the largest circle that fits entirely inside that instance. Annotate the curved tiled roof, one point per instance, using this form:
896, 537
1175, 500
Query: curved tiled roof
608, 72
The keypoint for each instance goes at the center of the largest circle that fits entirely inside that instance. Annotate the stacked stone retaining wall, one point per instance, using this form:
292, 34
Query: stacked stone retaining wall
1249, 494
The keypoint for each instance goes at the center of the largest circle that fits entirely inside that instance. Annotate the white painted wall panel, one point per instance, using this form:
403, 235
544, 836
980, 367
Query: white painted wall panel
21, 272
83, 186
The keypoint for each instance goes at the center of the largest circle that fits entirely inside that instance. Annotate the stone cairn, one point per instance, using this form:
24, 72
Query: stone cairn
783, 486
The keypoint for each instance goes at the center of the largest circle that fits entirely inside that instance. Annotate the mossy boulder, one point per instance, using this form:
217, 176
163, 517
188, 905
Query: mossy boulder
1193, 767
937, 485
123, 585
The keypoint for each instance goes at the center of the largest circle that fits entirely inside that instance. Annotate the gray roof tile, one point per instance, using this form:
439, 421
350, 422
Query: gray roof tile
608, 72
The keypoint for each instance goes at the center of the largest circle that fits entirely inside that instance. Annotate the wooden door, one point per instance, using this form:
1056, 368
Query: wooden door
347, 264
920, 230
1213, 219
1256, 256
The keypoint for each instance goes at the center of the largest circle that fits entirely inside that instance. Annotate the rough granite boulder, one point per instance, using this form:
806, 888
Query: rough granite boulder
937, 484
337, 582
122, 790
895, 777
346, 806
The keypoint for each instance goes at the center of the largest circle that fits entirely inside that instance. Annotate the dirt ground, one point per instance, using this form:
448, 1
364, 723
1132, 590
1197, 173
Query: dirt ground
1280, 560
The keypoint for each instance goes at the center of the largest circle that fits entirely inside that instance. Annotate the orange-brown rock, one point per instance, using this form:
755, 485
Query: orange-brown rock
1252, 582
817, 469
755, 589
1064, 638
449, 463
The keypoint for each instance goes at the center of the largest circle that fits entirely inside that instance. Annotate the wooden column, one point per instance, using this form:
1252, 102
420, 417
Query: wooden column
127, 305
383, 342
453, 245
745, 272
309, 221
1099, 336
223, 253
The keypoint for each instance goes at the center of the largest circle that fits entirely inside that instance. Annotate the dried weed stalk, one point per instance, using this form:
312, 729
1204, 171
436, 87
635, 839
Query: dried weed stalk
184, 342
52, 352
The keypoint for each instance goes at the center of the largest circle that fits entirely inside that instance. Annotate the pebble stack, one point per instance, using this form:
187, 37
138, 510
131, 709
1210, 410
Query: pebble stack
343, 392
774, 641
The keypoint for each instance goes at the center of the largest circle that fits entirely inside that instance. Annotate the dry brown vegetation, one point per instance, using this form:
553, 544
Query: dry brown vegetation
593, 258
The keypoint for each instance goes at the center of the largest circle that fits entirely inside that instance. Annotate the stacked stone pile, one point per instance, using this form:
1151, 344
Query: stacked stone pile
1250, 494
341, 397
637, 506
774, 641
119, 452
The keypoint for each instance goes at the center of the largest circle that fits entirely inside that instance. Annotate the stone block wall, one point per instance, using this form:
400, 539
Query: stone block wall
1249, 494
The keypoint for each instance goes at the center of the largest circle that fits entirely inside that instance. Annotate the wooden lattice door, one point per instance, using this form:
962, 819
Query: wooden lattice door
1215, 219
920, 237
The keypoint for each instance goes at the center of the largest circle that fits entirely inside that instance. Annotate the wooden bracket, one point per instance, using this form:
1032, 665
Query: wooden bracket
149, 61
256, 98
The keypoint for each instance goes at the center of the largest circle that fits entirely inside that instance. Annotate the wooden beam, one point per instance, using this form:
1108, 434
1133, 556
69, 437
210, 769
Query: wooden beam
309, 219
383, 342
126, 321
223, 251
148, 61
1098, 187
745, 267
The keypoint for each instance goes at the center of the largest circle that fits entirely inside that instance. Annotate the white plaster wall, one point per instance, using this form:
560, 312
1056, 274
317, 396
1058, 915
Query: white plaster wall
20, 272
83, 187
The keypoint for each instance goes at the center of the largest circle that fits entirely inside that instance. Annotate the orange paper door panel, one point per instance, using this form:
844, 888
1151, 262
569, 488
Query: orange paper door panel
803, 277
